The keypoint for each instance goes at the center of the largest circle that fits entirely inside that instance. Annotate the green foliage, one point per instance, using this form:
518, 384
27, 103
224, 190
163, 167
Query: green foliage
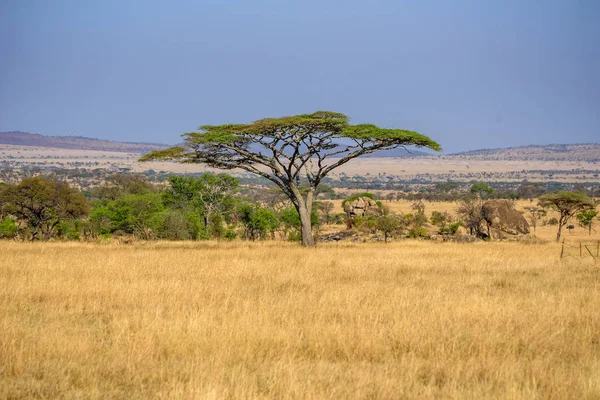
567, 204
206, 195
119, 185
444, 222
101, 220
137, 214
358, 195
215, 226
41, 204
8, 228
230, 234
290, 219
453, 228
69, 230
259, 222
586, 219
387, 224
178, 225
482, 189
552, 221
283, 150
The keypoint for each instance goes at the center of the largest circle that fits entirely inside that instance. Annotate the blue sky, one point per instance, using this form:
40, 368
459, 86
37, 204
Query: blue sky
468, 73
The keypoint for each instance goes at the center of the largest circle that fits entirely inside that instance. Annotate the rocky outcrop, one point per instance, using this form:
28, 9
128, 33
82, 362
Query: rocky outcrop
503, 220
360, 207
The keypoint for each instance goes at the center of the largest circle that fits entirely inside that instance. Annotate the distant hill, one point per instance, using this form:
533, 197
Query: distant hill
75, 142
552, 152
84, 143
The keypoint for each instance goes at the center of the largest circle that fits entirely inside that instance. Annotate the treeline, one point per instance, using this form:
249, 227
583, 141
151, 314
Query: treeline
187, 208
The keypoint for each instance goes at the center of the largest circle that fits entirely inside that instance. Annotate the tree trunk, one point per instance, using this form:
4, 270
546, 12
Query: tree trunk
304, 208
561, 222
307, 236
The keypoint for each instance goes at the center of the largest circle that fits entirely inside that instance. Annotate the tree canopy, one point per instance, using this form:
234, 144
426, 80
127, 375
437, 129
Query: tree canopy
290, 150
567, 204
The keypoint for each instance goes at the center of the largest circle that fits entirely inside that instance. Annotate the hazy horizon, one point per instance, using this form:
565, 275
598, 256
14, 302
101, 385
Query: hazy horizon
470, 75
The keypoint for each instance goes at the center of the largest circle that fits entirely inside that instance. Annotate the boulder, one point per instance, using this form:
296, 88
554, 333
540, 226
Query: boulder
360, 207
503, 220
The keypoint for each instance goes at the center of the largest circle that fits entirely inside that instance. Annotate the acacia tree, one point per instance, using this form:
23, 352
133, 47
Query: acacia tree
586, 219
41, 204
289, 151
567, 204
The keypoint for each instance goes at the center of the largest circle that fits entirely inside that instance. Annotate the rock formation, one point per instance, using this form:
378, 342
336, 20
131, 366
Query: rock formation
360, 207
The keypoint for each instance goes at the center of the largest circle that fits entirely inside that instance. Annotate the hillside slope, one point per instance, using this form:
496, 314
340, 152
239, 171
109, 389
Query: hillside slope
552, 152
75, 142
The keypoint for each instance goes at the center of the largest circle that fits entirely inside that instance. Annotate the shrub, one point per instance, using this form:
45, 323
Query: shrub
8, 229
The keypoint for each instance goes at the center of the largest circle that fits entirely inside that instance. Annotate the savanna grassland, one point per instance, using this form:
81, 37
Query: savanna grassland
410, 319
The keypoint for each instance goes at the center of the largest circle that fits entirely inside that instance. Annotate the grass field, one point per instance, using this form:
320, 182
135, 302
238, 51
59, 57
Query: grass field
411, 319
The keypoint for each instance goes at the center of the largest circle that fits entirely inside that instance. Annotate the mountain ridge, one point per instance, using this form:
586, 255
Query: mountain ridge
549, 152
76, 142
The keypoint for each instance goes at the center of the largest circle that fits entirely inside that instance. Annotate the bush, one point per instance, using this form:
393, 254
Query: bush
8, 229
258, 222
230, 234
69, 230
453, 228
418, 232
552, 221
176, 225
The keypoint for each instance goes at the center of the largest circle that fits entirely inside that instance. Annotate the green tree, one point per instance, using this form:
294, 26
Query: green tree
586, 219
388, 224
208, 195
178, 225
119, 185
41, 204
259, 222
290, 150
482, 189
567, 204
442, 220
138, 214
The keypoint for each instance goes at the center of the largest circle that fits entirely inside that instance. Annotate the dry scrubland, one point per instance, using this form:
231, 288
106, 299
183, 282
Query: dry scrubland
440, 168
411, 319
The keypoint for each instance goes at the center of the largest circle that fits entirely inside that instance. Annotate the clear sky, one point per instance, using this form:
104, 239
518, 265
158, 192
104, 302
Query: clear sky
468, 73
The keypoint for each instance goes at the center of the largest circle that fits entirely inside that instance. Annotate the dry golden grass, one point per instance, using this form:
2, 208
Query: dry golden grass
411, 319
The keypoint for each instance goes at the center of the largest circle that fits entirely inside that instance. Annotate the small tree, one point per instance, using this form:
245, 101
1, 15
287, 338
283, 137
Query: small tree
567, 204
482, 189
586, 219
327, 208
388, 224
470, 211
441, 220
533, 214
289, 151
